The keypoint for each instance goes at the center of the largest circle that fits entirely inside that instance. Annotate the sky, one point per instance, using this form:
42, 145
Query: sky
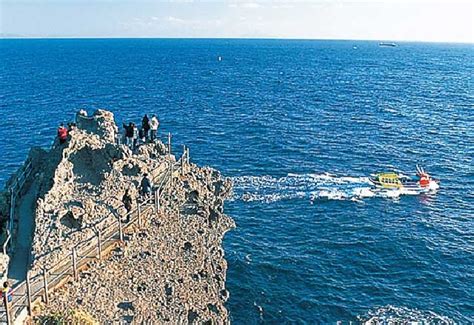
397, 20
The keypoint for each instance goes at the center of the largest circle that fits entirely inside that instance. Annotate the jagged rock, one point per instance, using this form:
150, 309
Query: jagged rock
170, 270
101, 123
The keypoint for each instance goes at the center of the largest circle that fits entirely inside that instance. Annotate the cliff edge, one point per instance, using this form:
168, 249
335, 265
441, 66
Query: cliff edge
169, 268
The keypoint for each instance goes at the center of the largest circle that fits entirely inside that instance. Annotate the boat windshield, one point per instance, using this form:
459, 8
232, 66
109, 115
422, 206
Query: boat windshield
406, 179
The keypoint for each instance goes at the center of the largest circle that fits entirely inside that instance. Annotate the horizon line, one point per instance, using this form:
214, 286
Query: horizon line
19, 37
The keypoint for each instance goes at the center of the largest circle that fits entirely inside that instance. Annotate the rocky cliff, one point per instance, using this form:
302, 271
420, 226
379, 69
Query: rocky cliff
169, 270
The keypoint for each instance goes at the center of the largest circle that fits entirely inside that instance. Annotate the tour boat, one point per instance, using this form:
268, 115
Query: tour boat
420, 183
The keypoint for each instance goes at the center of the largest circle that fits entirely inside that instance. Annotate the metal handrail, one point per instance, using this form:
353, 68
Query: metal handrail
7, 240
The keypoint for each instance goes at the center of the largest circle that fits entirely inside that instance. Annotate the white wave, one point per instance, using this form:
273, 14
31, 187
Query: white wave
392, 194
333, 194
363, 192
402, 315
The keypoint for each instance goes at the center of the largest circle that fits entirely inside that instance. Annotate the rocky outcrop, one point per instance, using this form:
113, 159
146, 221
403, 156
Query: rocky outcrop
81, 184
100, 123
172, 270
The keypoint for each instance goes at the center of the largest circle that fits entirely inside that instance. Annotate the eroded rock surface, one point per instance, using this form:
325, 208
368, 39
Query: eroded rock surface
81, 186
171, 270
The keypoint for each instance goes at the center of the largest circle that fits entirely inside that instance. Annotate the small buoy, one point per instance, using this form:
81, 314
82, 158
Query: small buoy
219, 58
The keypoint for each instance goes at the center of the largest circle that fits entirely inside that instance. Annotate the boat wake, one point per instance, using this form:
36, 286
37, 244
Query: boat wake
314, 187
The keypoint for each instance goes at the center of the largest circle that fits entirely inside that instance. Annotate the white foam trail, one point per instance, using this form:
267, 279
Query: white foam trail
299, 186
363, 192
315, 187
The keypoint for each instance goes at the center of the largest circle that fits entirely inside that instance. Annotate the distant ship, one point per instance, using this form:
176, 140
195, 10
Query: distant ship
387, 44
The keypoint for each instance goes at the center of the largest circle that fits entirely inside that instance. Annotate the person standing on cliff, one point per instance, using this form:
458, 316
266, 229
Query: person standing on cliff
127, 202
62, 134
141, 136
146, 185
154, 123
134, 136
146, 126
129, 134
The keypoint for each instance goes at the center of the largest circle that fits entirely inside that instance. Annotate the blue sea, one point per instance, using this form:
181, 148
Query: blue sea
299, 126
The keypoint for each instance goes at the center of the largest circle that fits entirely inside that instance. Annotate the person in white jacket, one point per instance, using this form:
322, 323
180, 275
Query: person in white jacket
154, 124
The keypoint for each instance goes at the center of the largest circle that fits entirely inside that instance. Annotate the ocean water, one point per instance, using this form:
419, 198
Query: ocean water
298, 126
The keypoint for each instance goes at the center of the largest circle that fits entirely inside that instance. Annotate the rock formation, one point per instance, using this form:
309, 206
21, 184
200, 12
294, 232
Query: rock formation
170, 270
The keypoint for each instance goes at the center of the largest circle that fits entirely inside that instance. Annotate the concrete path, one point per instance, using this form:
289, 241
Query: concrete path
22, 246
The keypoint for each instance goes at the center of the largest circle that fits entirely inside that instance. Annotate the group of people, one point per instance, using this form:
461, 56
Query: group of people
146, 133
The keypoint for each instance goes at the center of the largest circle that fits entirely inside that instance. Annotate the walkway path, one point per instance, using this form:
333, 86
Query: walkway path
26, 212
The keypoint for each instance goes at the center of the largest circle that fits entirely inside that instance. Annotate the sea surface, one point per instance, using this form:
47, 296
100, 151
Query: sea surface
298, 126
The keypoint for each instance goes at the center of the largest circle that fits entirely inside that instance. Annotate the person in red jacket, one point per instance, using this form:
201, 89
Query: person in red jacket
62, 134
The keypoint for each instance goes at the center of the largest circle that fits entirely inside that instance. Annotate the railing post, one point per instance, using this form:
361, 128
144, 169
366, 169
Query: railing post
139, 212
45, 284
171, 172
169, 143
28, 293
120, 229
7, 308
99, 245
74, 264
157, 200
12, 213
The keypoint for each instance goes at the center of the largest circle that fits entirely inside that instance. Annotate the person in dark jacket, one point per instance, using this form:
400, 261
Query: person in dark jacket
128, 133
146, 185
127, 202
141, 135
146, 126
